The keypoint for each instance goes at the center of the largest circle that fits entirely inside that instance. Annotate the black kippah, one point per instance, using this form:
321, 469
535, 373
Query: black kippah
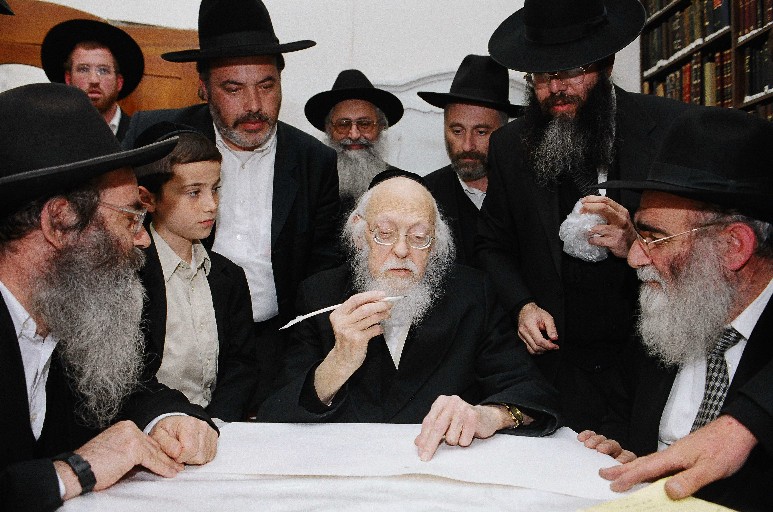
394, 172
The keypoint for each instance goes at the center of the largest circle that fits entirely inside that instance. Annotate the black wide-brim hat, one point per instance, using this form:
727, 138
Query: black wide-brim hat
480, 80
235, 28
714, 155
352, 84
554, 35
5, 8
52, 139
62, 38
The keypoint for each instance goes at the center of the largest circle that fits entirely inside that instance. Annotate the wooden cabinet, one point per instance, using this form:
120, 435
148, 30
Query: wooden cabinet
710, 52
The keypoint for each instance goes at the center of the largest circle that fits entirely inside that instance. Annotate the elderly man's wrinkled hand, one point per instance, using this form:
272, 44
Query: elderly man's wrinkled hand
712, 452
606, 446
186, 439
618, 233
537, 329
456, 422
355, 323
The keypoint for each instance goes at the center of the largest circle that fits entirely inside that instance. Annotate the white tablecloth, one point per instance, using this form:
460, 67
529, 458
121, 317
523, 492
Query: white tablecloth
369, 467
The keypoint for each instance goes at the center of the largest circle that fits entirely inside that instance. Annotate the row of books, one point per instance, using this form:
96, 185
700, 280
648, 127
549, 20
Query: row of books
704, 80
757, 69
764, 110
754, 14
698, 20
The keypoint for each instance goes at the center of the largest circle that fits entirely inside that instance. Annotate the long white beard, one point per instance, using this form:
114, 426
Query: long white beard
682, 320
356, 168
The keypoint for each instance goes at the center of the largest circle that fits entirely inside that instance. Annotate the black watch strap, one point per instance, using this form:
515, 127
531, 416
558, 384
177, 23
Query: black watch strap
81, 468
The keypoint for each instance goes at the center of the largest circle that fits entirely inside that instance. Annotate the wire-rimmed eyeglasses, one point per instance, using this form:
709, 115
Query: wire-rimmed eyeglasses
648, 242
574, 76
344, 125
390, 237
137, 216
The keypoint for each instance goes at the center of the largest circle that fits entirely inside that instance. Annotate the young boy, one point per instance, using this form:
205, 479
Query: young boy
198, 314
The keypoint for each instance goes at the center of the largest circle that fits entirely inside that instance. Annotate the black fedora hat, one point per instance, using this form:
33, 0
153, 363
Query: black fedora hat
553, 35
480, 80
5, 8
715, 155
352, 84
62, 38
235, 28
52, 139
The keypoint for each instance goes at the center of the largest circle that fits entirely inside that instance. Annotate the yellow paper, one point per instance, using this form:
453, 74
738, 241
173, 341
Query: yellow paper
653, 498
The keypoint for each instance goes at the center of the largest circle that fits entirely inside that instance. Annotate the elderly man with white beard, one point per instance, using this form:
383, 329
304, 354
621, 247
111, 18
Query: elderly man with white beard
702, 382
354, 115
442, 355
70, 340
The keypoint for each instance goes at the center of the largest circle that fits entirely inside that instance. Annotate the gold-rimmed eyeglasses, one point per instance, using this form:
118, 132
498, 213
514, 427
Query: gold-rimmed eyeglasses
344, 125
648, 242
137, 216
390, 237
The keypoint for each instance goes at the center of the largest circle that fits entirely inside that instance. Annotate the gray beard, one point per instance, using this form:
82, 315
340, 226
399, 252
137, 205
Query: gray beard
561, 151
356, 168
420, 294
90, 299
683, 320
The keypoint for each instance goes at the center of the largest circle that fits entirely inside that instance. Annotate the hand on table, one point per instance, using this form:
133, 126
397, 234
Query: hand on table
533, 321
606, 446
456, 422
115, 452
186, 439
712, 452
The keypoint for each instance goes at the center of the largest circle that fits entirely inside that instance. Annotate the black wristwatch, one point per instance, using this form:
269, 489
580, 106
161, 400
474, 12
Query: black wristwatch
81, 468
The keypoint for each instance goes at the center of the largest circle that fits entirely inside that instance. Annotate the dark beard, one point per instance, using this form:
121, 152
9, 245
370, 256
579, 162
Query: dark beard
577, 147
90, 299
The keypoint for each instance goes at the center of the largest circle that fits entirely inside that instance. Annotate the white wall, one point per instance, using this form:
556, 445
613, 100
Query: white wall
403, 46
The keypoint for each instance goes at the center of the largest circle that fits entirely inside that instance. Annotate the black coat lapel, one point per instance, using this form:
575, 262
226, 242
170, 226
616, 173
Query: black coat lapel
285, 184
154, 314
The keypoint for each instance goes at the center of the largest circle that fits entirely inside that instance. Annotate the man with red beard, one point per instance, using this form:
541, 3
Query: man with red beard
476, 105
77, 411
279, 204
438, 352
354, 116
575, 315
101, 60
701, 381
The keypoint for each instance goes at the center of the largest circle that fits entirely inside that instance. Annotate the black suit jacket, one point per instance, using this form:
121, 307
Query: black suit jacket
518, 243
458, 209
749, 400
465, 346
237, 371
27, 478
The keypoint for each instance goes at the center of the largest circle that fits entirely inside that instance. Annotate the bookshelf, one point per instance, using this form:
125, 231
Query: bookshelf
710, 52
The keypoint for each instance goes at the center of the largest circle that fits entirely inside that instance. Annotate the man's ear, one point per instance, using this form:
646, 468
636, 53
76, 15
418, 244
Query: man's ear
202, 92
119, 82
55, 219
67, 77
742, 242
358, 241
148, 199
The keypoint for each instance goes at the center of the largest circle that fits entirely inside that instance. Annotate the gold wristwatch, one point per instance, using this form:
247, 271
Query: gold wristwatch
515, 413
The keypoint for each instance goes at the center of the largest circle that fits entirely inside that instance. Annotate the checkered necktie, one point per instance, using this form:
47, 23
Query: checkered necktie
717, 379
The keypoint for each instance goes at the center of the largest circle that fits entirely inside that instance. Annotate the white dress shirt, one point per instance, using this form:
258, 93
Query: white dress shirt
243, 232
690, 383
115, 121
473, 194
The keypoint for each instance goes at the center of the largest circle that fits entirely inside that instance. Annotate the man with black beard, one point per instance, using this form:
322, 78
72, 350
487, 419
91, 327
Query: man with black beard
701, 381
476, 105
578, 129
406, 305
70, 339
354, 115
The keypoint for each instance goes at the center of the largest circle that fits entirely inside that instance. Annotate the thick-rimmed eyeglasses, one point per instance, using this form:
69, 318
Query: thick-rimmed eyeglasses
648, 242
343, 126
85, 69
389, 237
137, 216
575, 76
